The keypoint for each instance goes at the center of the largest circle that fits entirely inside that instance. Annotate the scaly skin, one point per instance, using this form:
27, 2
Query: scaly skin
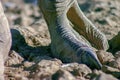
5, 40
66, 43
84, 27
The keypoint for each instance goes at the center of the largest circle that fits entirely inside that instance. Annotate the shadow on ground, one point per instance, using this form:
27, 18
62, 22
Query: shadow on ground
23, 49
114, 44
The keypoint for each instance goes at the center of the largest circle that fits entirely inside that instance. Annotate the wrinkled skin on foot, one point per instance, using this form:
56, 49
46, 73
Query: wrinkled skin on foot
84, 27
66, 43
5, 40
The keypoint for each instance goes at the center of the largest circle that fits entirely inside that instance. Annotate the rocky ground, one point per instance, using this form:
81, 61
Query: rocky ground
30, 56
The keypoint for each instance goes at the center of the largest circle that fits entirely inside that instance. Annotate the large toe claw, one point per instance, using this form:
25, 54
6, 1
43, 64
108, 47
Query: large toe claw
87, 56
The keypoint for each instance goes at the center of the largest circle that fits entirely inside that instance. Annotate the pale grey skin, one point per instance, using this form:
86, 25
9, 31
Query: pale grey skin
5, 40
67, 26
67, 44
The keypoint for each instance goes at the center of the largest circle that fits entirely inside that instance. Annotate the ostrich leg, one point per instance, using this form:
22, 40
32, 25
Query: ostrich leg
84, 27
5, 40
65, 41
